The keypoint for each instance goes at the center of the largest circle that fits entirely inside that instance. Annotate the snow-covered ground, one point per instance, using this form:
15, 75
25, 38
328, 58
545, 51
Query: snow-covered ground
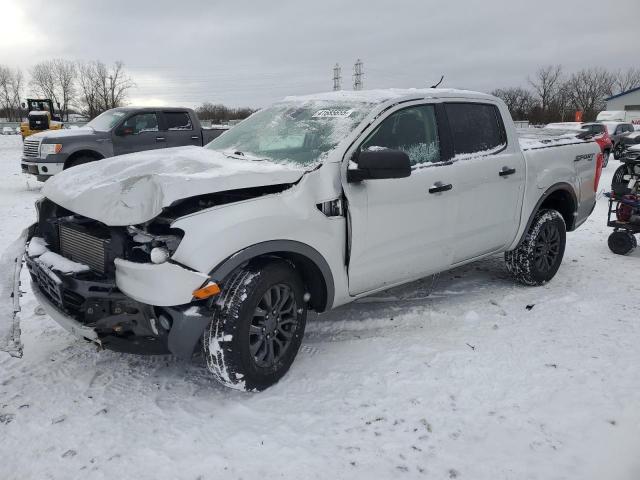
477, 378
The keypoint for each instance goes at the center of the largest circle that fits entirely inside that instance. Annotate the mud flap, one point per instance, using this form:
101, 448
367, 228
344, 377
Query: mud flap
10, 267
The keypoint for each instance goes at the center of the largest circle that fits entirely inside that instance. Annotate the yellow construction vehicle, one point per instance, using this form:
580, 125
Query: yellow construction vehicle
42, 116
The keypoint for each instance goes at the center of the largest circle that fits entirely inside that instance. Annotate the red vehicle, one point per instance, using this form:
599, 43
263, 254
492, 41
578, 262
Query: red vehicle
602, 138
598, 131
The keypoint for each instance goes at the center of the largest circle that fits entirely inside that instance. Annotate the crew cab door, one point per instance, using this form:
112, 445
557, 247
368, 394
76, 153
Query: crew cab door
399, 231
490, 177
139, 132
180, 129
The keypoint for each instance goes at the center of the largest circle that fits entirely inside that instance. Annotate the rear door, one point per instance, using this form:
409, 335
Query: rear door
399, 230
139, 132
180, 129
490, 177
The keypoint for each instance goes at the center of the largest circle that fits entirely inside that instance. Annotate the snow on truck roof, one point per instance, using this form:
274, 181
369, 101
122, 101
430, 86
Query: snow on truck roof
384, 95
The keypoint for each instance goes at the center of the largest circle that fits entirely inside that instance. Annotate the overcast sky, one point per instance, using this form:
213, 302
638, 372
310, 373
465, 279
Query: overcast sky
250, 53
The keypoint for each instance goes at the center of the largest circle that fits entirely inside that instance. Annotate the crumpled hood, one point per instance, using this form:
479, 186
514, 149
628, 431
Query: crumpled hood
132, 189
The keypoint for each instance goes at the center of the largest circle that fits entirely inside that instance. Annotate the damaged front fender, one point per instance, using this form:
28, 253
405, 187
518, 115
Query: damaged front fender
10, 267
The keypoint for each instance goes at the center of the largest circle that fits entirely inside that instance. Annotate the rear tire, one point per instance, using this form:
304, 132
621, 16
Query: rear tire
257, 326
605, 158
537, 259
622, 242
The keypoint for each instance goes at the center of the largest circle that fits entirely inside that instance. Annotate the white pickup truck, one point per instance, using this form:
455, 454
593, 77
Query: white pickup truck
308, 204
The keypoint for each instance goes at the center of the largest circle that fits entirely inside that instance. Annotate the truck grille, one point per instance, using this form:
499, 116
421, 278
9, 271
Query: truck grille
31, 148
83, 248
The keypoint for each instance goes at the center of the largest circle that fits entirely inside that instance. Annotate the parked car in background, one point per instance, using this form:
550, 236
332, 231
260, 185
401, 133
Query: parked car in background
115, 132
617, 131
307, 205
595, 130
8, 131
601, 136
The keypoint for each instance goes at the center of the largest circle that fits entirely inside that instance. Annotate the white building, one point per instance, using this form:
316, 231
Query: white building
627, 101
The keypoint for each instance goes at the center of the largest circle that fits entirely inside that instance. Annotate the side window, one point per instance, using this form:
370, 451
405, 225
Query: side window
475, 127
178, 121
142, 122
413, 130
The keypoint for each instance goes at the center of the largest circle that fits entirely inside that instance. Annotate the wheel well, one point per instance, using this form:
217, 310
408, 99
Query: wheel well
311, 276
562, 201
82, 153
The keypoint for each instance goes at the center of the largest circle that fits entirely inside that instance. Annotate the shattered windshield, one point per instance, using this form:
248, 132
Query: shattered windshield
301, 133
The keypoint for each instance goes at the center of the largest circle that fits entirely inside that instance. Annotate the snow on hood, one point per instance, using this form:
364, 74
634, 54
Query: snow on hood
132, 189
71, 132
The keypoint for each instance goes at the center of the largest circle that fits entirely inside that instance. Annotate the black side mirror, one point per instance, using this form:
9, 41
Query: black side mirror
380, 164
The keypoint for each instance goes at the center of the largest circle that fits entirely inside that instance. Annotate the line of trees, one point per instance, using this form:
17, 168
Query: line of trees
11, 84
88, 88
552, 95
219, 113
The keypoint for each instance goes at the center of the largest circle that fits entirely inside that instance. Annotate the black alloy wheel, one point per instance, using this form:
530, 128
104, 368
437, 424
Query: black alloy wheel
547, 247
273, 325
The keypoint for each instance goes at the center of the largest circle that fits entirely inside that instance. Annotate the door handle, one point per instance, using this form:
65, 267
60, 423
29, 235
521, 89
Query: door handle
506, 171
439, 187
160, 139
195, 138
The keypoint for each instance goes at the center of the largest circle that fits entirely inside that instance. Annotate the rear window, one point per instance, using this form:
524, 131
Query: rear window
178, 121
475, 127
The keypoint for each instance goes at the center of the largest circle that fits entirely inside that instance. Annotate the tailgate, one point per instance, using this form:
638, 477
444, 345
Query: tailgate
10, 267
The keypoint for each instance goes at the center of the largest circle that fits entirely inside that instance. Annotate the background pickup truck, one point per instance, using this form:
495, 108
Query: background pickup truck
115, 132
309, 204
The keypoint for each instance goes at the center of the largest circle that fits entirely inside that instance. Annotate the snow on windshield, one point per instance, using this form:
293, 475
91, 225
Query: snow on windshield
106, 121
293, 132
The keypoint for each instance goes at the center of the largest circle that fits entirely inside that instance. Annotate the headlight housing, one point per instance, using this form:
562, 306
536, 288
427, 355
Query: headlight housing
50, 149
153, 246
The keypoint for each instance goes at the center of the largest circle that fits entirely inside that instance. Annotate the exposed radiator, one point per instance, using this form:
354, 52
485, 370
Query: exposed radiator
83, 248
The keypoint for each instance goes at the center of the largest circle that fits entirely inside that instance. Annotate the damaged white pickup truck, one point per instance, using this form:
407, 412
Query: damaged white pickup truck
309, 204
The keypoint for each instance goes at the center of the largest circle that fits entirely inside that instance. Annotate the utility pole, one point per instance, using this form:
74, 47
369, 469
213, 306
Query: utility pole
358, 75
337, 77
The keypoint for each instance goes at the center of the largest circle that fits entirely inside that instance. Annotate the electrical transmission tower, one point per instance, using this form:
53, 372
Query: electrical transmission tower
358, 75
337, 77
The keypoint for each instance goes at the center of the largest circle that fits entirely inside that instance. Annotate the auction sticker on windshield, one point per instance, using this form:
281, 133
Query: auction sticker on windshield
333, 113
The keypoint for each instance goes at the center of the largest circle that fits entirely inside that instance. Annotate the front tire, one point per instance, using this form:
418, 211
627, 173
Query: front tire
78, 161
537, 259
257, 326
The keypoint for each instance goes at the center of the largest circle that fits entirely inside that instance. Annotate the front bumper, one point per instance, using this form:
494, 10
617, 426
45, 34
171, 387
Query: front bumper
163, 284
67, 322
40, 168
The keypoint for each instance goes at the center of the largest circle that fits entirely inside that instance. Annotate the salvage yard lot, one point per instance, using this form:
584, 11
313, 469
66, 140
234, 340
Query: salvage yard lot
469, 376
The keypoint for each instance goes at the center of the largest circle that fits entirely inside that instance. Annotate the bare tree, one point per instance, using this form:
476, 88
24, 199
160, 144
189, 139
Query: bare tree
520, 101
102, 87
627, 80
11, 82
43, 80
589, 88
65, 73
546, 84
